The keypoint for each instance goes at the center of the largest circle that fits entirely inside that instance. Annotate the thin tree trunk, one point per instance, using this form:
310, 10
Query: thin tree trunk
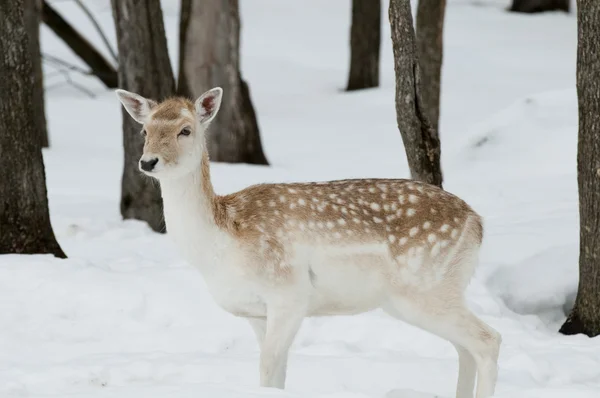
144, 68
430, 33
533, 6
100, 67
420, 138
208, 57
24, 219
365, 39
33, 18
585, 316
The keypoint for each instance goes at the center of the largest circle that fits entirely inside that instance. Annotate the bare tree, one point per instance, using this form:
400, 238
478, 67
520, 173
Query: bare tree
533, 6
365, 40
24, 218
33, 18
430, 32
144, 68
585, 316
99, 65
420, 138
209, 56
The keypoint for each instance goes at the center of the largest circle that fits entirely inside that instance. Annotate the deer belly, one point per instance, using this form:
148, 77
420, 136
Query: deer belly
346, 282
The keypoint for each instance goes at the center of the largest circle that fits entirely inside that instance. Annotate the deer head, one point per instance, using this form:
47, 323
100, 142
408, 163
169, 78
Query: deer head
174, 131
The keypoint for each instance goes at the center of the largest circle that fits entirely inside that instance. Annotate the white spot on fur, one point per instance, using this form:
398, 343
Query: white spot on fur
426, 225
431, 238
413, 231
330, 225
413, 198
341, 221
444, 228
272, 203
401, 199
402, 241
292, 190
282, 199
375, 206
292, 206
392, 238
411, 212
372, 190
377, 220
301, 202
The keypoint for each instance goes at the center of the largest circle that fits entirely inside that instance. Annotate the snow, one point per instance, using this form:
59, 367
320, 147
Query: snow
124, 316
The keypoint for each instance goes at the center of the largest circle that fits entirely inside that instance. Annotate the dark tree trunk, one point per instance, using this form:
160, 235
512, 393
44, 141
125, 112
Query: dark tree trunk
365, 39
33, 18
209, 55
585, 316
430, 33
532, 6
24, 219
420, 138
144, 68
99, 66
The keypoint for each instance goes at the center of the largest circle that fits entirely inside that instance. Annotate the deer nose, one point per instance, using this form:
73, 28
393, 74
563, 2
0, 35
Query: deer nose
148, 165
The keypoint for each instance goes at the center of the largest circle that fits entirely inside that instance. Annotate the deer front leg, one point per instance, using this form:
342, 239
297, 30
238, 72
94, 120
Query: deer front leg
281, 328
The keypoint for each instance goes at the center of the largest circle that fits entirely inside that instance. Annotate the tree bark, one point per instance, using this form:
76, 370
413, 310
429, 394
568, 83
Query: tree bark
585, 316
100, 67
365, 39
144, 68
24, 219
430, 33
420, 138
209, 56
533, 6
33, 18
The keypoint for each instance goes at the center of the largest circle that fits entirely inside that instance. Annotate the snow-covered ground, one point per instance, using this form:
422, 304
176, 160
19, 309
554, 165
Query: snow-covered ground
124, 316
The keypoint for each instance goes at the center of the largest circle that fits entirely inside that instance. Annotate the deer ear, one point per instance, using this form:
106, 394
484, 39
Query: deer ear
137, 106
208, 104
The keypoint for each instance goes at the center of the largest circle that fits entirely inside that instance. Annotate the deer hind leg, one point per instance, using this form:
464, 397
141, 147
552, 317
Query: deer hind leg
477, 343
467, 369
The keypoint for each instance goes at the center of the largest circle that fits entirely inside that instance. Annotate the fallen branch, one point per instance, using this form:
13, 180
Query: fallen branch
100, 67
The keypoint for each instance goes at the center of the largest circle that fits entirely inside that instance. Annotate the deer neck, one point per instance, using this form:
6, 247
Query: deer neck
189, 204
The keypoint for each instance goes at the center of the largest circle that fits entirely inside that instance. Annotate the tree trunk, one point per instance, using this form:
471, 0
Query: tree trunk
100, 67
420, 138
144, 68
365, 39
430, 32
532, 6
585, 316
208, 57
24, 218
33, 18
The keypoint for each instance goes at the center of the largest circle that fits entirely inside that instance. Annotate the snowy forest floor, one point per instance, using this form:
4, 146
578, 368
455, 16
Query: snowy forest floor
124, 316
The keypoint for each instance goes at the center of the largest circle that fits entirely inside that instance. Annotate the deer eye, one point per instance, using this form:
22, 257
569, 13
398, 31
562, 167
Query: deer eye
186, 131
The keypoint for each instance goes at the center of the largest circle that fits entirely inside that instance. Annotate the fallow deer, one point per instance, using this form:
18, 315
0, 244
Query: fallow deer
277, 253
